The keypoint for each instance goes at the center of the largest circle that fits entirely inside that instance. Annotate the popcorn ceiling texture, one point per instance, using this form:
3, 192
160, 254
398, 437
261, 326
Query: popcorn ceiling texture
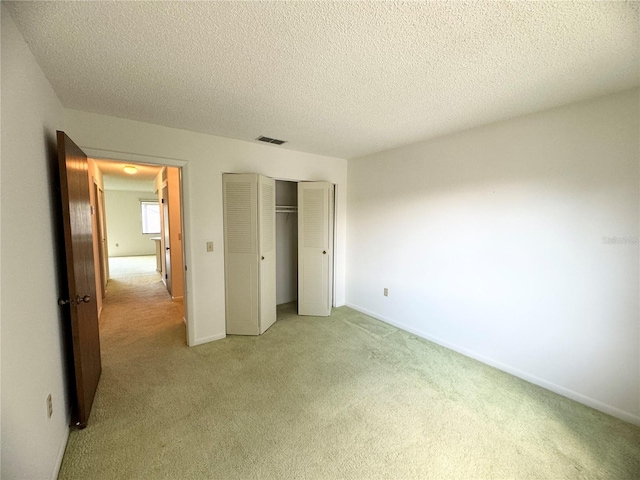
336, 78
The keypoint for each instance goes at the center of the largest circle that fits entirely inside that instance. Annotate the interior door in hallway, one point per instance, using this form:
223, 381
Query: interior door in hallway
167, 236
315, 248
102, 231
99, 229
80, 298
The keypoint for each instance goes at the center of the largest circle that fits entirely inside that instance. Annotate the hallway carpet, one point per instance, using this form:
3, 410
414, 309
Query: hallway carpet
339, 397
123, 268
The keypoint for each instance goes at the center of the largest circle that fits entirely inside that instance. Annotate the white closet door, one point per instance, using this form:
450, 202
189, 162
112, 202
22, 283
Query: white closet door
315, 248
241, 253
267, 251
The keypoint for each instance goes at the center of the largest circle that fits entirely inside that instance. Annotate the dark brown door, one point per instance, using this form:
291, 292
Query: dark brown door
167, 237
81, 299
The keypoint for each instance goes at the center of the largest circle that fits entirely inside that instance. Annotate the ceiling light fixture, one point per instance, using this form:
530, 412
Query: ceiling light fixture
130, 170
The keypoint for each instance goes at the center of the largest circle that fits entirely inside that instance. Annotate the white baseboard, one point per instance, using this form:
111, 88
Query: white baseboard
212, 338
565, 392
61, 450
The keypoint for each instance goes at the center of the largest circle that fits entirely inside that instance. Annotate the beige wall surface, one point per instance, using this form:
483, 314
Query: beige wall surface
32, 348
124, 224
498, 242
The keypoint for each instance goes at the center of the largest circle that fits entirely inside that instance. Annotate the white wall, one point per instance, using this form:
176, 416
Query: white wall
33, 363
491, 242
205, 159
286, 244
124, 224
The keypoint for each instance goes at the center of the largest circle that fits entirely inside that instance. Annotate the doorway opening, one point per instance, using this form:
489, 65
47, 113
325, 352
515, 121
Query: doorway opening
138, 238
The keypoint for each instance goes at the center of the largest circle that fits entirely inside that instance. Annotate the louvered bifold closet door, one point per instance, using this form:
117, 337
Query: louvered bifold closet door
241, 253
315, 248
267, 250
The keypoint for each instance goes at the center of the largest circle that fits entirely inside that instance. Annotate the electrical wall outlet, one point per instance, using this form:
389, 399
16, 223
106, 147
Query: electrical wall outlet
386, 292
209, 246
49, 406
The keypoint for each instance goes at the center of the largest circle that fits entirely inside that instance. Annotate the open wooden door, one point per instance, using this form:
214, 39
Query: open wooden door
315, 248
81, 298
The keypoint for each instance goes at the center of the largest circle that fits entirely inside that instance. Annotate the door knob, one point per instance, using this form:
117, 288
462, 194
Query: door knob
324, 252
78, 300
84, 299
167, 248
262, 258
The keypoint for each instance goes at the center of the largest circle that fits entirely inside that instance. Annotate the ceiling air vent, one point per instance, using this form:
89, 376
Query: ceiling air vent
275, 141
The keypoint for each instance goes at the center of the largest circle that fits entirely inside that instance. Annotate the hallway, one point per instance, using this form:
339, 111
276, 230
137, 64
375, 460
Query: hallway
141, 329
137, 306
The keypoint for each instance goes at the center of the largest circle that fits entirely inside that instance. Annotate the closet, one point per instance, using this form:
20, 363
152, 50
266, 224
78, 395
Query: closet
262, 251
249, 253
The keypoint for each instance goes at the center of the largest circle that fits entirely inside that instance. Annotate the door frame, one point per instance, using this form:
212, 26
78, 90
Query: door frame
99, 217
335, 242
335, 227
183, 170
105, 241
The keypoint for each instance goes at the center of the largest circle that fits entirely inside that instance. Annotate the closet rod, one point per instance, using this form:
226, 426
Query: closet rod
286, 209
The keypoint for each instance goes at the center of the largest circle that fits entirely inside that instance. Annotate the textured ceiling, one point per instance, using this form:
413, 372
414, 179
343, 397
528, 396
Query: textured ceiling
115, 178
336, 78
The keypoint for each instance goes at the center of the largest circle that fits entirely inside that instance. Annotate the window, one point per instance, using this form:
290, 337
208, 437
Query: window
150, 216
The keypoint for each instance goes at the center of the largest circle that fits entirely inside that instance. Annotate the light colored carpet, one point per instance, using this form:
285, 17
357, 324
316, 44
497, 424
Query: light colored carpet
340, 397
120, 267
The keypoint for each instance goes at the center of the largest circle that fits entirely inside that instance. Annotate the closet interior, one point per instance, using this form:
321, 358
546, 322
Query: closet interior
286, 242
